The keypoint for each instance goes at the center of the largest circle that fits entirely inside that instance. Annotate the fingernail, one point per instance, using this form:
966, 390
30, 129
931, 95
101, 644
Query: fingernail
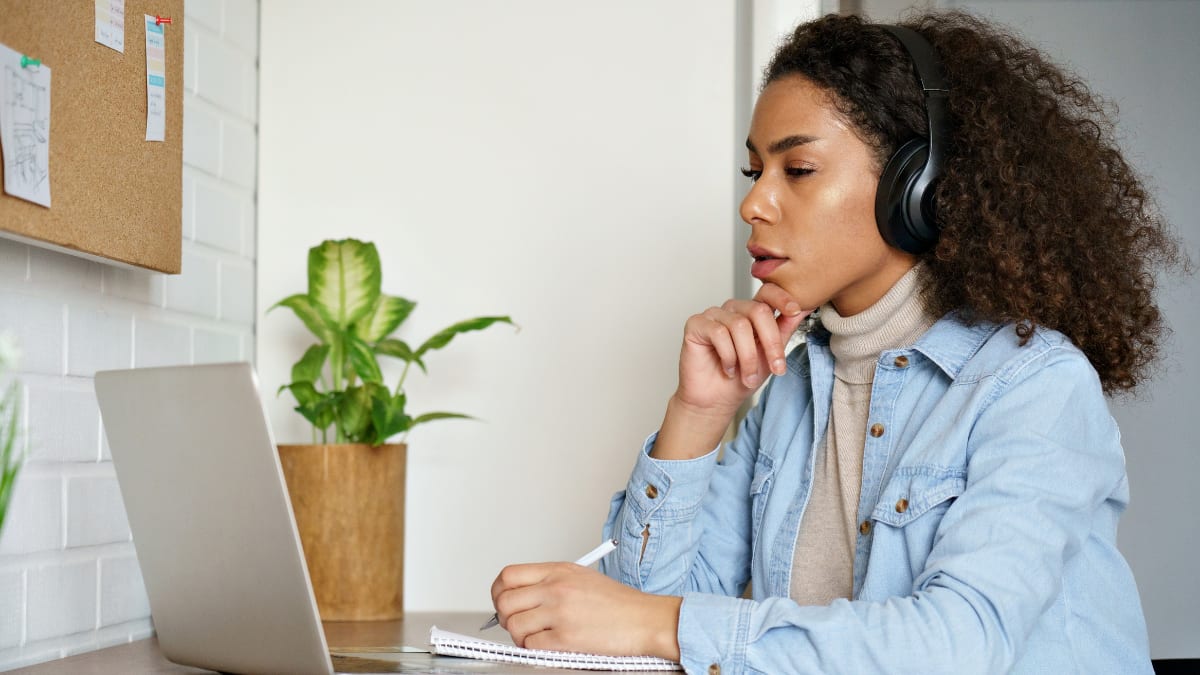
753, 380
729, 372
792, 309
779, 366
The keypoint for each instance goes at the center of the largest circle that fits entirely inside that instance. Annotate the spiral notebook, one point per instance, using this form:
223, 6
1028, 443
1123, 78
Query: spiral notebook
453, 644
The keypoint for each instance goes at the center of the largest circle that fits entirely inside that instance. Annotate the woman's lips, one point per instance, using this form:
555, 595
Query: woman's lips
764, 265
766, 261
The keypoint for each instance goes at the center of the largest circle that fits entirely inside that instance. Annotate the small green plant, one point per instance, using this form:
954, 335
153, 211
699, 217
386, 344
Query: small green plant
10, 455
338, 381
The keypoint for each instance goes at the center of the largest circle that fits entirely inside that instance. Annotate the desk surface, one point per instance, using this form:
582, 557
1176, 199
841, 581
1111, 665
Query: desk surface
144, 656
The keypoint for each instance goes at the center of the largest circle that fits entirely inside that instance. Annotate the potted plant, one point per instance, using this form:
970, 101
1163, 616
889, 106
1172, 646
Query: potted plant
10, 455
348, 495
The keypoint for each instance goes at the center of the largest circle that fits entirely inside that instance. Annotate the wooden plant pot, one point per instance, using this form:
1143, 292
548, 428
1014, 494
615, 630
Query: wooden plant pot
349, 506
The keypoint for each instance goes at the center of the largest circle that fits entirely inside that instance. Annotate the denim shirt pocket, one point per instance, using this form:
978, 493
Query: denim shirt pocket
908, 515
916, 491
760, 491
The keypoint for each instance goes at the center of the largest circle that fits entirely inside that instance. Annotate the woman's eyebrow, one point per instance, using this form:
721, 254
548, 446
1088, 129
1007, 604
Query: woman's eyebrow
786, 143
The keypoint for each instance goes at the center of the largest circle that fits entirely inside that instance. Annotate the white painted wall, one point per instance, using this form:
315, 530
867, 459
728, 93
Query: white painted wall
69, 579
1144, 56
570, 164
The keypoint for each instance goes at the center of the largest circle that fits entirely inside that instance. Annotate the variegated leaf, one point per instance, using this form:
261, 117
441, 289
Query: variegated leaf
387, 315
363, 360
443, 337
302, 306
343, 280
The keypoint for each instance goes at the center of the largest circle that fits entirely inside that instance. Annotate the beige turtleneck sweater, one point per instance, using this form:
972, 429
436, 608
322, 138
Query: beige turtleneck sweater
823, 562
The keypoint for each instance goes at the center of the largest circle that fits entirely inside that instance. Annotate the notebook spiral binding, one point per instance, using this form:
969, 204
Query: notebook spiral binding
453, 644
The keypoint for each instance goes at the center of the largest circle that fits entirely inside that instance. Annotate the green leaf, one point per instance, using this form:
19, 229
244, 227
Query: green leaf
429, 417
305, 393
303, 308
363, 359
316, 407
10, 458
400, 350
355, 413
325, 411
308, 368
337, 361
343, 280
387, 412
442, 338
387, 315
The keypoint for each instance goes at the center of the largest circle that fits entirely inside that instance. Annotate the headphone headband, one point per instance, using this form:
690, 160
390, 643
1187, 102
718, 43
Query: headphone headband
904, 203
933, 84
925, 63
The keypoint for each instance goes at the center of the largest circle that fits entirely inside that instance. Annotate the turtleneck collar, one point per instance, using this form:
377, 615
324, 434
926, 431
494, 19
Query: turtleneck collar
895, 320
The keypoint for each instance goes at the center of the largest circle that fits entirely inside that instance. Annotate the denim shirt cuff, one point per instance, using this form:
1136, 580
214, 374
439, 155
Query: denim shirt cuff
713, 630
668, 489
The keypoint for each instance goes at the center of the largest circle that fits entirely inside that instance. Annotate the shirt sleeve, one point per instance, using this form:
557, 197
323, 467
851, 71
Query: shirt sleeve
1043, 456
697, 516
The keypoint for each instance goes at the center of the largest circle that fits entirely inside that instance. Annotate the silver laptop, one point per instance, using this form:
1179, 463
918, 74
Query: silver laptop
211, 520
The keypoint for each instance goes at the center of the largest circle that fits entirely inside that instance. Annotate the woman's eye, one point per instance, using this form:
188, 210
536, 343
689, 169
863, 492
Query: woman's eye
795, 172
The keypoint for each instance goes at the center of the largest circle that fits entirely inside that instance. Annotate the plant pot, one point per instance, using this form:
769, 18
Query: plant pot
349, 506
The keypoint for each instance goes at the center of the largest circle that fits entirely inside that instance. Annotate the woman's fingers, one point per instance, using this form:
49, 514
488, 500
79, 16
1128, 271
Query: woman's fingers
517, 576
741, 331
788, 324
528, 624
520, 588
779, 300
516, 602
770, 340
744, 340
790, 315
711, 334
756, 336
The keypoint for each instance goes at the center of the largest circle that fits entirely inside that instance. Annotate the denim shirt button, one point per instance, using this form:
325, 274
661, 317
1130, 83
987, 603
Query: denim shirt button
651, 491
902, 506
864, 527
876, 430
714, 669
901, 362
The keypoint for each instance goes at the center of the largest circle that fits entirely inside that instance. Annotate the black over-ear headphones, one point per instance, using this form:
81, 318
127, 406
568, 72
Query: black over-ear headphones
904, 208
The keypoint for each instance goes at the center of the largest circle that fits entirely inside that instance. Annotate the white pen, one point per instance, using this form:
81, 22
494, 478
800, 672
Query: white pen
587, 560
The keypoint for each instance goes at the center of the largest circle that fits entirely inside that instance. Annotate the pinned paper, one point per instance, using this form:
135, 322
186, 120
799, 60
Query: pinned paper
110, 24
25, 126
156, 80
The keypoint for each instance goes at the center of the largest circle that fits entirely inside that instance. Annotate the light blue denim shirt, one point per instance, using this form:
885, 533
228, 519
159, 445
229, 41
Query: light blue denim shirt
992, 482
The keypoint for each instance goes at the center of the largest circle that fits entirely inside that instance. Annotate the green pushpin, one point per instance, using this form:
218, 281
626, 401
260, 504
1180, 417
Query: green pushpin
26, 61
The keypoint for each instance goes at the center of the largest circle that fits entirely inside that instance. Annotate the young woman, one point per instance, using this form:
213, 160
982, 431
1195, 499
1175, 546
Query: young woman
932, 482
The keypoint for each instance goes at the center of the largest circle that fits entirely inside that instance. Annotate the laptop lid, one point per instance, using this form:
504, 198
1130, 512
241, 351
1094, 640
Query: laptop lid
211, 519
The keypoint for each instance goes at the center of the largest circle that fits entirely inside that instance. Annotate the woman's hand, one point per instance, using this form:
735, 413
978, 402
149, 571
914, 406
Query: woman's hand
565, 607
727, 354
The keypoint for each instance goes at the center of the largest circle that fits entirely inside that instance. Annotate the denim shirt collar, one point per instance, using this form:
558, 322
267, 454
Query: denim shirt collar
949, 343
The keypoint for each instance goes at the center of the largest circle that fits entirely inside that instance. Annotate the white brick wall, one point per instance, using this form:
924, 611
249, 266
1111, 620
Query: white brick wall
69, 579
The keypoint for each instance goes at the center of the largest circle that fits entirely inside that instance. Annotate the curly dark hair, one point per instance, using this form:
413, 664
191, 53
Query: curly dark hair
1042, 220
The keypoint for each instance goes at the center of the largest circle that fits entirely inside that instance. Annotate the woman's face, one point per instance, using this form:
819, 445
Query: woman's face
811, 210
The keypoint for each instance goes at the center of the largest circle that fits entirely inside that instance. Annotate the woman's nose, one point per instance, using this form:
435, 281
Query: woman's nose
760, 205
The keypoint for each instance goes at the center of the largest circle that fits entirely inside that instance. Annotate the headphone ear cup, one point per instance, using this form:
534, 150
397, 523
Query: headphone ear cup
895, 203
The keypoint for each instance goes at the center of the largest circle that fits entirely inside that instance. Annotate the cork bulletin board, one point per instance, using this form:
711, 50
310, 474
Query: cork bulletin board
114, 195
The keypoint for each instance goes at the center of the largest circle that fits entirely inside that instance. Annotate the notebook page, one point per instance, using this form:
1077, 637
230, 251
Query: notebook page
455, 644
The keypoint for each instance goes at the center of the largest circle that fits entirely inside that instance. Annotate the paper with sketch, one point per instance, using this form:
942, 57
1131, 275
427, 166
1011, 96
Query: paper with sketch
25, 127
156, 81
110, 24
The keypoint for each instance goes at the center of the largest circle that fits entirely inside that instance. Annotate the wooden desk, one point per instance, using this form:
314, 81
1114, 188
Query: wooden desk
144, 656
